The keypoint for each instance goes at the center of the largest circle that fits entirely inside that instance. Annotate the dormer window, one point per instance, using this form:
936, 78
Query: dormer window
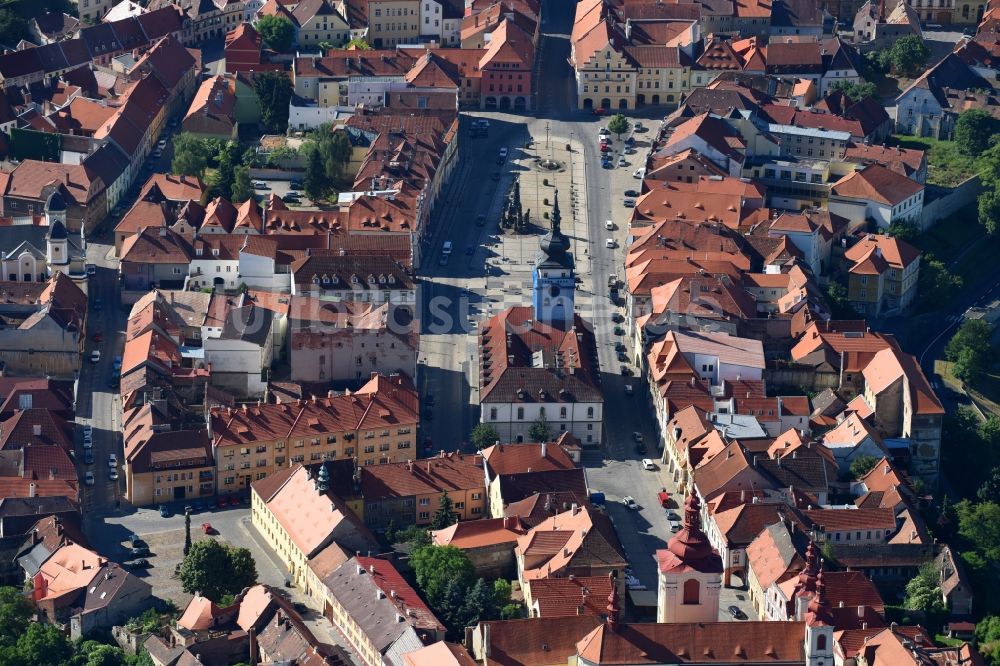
315, 279
198, 251
326, 280
354, 279
392, 279
215, 251
371, 279
335, 279
381, 279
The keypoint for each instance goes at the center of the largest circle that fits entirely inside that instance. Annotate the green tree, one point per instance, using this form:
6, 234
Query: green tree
451, 608
923, 592
903, 230
191, 155
862, 465
315, 181
970, 350
484, 435
989, 210
856, 91
227, 158
95, 653
357, 43
989, 490
15, 615
479, 604
979, 527
909, 55
973, 130
988, 639
277, 31
936, 284
618, 124
445, 515
434, 566
13, 26
274, 92
40, 645
242, 186
215, 569
539, 430
840, 307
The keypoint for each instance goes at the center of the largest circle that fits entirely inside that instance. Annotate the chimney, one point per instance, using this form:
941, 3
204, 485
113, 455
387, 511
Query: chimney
861, 610
32, 489
545, 449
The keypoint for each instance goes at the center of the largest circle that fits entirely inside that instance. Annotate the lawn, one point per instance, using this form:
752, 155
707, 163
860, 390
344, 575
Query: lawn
987, 390
946, 166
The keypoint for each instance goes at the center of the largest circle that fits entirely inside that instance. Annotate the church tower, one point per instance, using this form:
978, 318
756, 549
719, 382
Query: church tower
57, 240
819, 627
690, 573
553, 279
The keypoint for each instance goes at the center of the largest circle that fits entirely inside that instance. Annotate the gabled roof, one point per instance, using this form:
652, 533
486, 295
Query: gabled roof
878, 184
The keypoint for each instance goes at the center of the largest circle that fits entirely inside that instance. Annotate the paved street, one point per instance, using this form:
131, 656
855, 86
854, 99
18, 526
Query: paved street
465, 287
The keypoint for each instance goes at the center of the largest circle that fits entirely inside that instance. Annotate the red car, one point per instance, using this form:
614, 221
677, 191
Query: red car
600, 111
207, 528
97, 337
223, 502
604, 148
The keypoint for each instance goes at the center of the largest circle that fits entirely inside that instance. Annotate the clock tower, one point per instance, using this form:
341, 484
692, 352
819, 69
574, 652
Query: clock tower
553, 280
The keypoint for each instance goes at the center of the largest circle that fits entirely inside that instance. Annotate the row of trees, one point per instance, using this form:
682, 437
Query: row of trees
279, 33
446, 577
327, 154
484, 434
193, 155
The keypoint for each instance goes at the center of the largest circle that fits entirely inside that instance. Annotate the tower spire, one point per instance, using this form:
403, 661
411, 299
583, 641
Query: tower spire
556, 217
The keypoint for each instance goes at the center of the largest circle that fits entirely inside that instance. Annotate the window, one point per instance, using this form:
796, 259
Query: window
424, 501
477, 496
590, 412
821, 642
520, 413
424, 515
692, 592
459, 505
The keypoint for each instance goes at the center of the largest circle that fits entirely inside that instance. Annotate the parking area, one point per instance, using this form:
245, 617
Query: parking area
264, 188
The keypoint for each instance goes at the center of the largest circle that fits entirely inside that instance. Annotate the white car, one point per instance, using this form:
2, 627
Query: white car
95, 356
647, 464
113, 474
88, 443
629, 502
503, 153
112, 460
610, 243
675, 526
639, 173
609, 225
88, 478
622, 162
161, 144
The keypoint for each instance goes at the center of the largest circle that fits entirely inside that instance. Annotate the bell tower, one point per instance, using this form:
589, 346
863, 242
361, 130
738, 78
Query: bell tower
554, 279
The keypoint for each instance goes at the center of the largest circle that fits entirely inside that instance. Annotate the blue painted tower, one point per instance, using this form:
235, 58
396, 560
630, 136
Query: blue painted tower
553, 280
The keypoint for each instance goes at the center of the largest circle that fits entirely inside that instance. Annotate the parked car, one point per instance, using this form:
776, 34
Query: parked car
622, 162
165, 511
640, 449
617, 318
629, 203
117, 364
95, 356
112, 460
294, 185
675, 526
88, 478
260, 185
632, 193
158, 153
629, 502
138, 551
639, 127
629, 391
88, 457
98, 303
673, 515
91, 269
113, 382
135, 541
610, 243
88, 443
637, 436
97, 337
605, 148
626, 371
737, 613
141, 563
600, 111
648, 464
503, 153
113, 474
